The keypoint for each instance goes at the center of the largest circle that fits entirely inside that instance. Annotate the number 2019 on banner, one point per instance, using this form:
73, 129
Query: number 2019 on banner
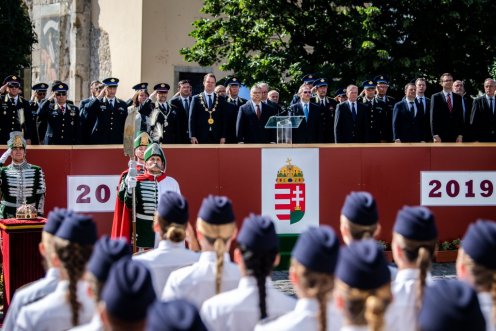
458, 188
91, 193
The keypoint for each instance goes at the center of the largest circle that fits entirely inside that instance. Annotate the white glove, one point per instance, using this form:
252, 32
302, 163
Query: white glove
131, 183
132, 164
5, 156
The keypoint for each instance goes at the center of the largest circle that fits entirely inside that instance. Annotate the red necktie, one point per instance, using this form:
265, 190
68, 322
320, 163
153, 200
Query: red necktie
448, 100
258, 112
62, 108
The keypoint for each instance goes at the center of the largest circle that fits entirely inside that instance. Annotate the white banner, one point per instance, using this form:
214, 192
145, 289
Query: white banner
458, 188
290, 188
92, 193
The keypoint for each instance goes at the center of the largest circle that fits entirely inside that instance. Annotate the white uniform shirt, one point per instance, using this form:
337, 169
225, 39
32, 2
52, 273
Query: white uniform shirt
30, 294
196, 283
239, 309
486, 305
95, 325
304, 317
53, 312
163, 260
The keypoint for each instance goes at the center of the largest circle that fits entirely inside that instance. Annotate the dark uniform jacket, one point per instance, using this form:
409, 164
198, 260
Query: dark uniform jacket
467, 104
377, 121
36, 139
347, 129
206, 123
447, 125
107, 124
408, 126
309, 131
14, 117
483, 121
250, 129
167, 119
327, 114
390, 102
177, 103
231, 117
63, 128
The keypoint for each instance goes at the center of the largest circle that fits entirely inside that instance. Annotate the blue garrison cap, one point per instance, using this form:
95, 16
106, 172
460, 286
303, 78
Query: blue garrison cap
128, 292
258, 234
450, 305
216, 210
416, 223
140, 86
381, 79
174, 315
111, 82
54, 220
317, 249
362, 265
40, 87
320, 82
162, 87
232, 81
78, 228
368, 84
173, 207
309, 78
479, 243
360, 208
340, 92
60, 87
106, 252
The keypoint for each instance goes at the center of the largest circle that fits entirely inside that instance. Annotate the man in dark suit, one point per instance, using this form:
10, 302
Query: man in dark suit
425, 105
377, 124
182, 103
408, 118
95, 87
106, 114
37, 97
483, 119
206, 115
14, 110
310, 129
327, 109
234, 102
446, 113
252, 118
467, 102
351, 119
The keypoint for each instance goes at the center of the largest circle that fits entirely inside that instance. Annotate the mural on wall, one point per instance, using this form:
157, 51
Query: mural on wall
49, 42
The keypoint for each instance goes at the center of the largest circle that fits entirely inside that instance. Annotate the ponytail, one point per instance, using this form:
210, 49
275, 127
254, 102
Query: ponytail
170, 231
375, 307
423, 263
220, 247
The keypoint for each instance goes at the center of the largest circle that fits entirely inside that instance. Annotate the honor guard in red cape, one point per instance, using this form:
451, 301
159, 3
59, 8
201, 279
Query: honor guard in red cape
121, 225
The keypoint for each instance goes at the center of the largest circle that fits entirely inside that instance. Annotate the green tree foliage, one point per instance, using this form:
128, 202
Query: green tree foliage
16, 37
347, 41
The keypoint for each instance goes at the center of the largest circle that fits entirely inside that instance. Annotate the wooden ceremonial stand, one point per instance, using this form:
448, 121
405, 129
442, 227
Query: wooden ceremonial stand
21, 259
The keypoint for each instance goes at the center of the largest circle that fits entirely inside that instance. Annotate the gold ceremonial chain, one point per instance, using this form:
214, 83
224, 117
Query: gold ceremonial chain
210, 120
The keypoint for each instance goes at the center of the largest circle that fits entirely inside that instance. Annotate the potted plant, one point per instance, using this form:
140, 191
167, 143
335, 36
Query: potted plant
448, 251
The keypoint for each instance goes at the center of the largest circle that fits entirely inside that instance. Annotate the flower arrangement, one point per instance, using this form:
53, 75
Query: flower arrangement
450, 245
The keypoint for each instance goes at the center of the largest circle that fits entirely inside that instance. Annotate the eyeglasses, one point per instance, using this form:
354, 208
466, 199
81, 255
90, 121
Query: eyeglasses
61, 94
307, 92
13, 86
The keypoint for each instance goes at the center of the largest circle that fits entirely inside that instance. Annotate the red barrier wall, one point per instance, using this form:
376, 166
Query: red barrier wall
391, 172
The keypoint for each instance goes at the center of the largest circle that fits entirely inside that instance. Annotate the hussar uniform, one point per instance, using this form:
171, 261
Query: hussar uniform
22, 183
148, 189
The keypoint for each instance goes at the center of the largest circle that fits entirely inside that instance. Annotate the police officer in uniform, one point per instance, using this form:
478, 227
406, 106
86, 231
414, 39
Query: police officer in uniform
14, 110
340, 95
234, 102
382, 86
327, 109
106, 115
60, 118
165, 119
37, 98
377, 121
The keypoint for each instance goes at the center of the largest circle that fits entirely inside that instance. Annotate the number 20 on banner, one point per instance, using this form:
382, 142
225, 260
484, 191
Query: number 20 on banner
458, 188
91, 193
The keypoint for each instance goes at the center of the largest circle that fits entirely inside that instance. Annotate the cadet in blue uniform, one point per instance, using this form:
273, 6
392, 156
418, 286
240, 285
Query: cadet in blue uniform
359, 217
163, 315
476, 265
413, 245
126, 296
450, 305
214, 272
44, 286
106, 253
171, 222
314, 259
39, 95
363, 286
69, 305
106, 115
60, 118
327, 109
255, 298
14, 110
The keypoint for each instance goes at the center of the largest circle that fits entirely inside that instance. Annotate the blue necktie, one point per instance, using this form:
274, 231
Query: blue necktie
353, 111
412, 109
209, 101
305, 110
